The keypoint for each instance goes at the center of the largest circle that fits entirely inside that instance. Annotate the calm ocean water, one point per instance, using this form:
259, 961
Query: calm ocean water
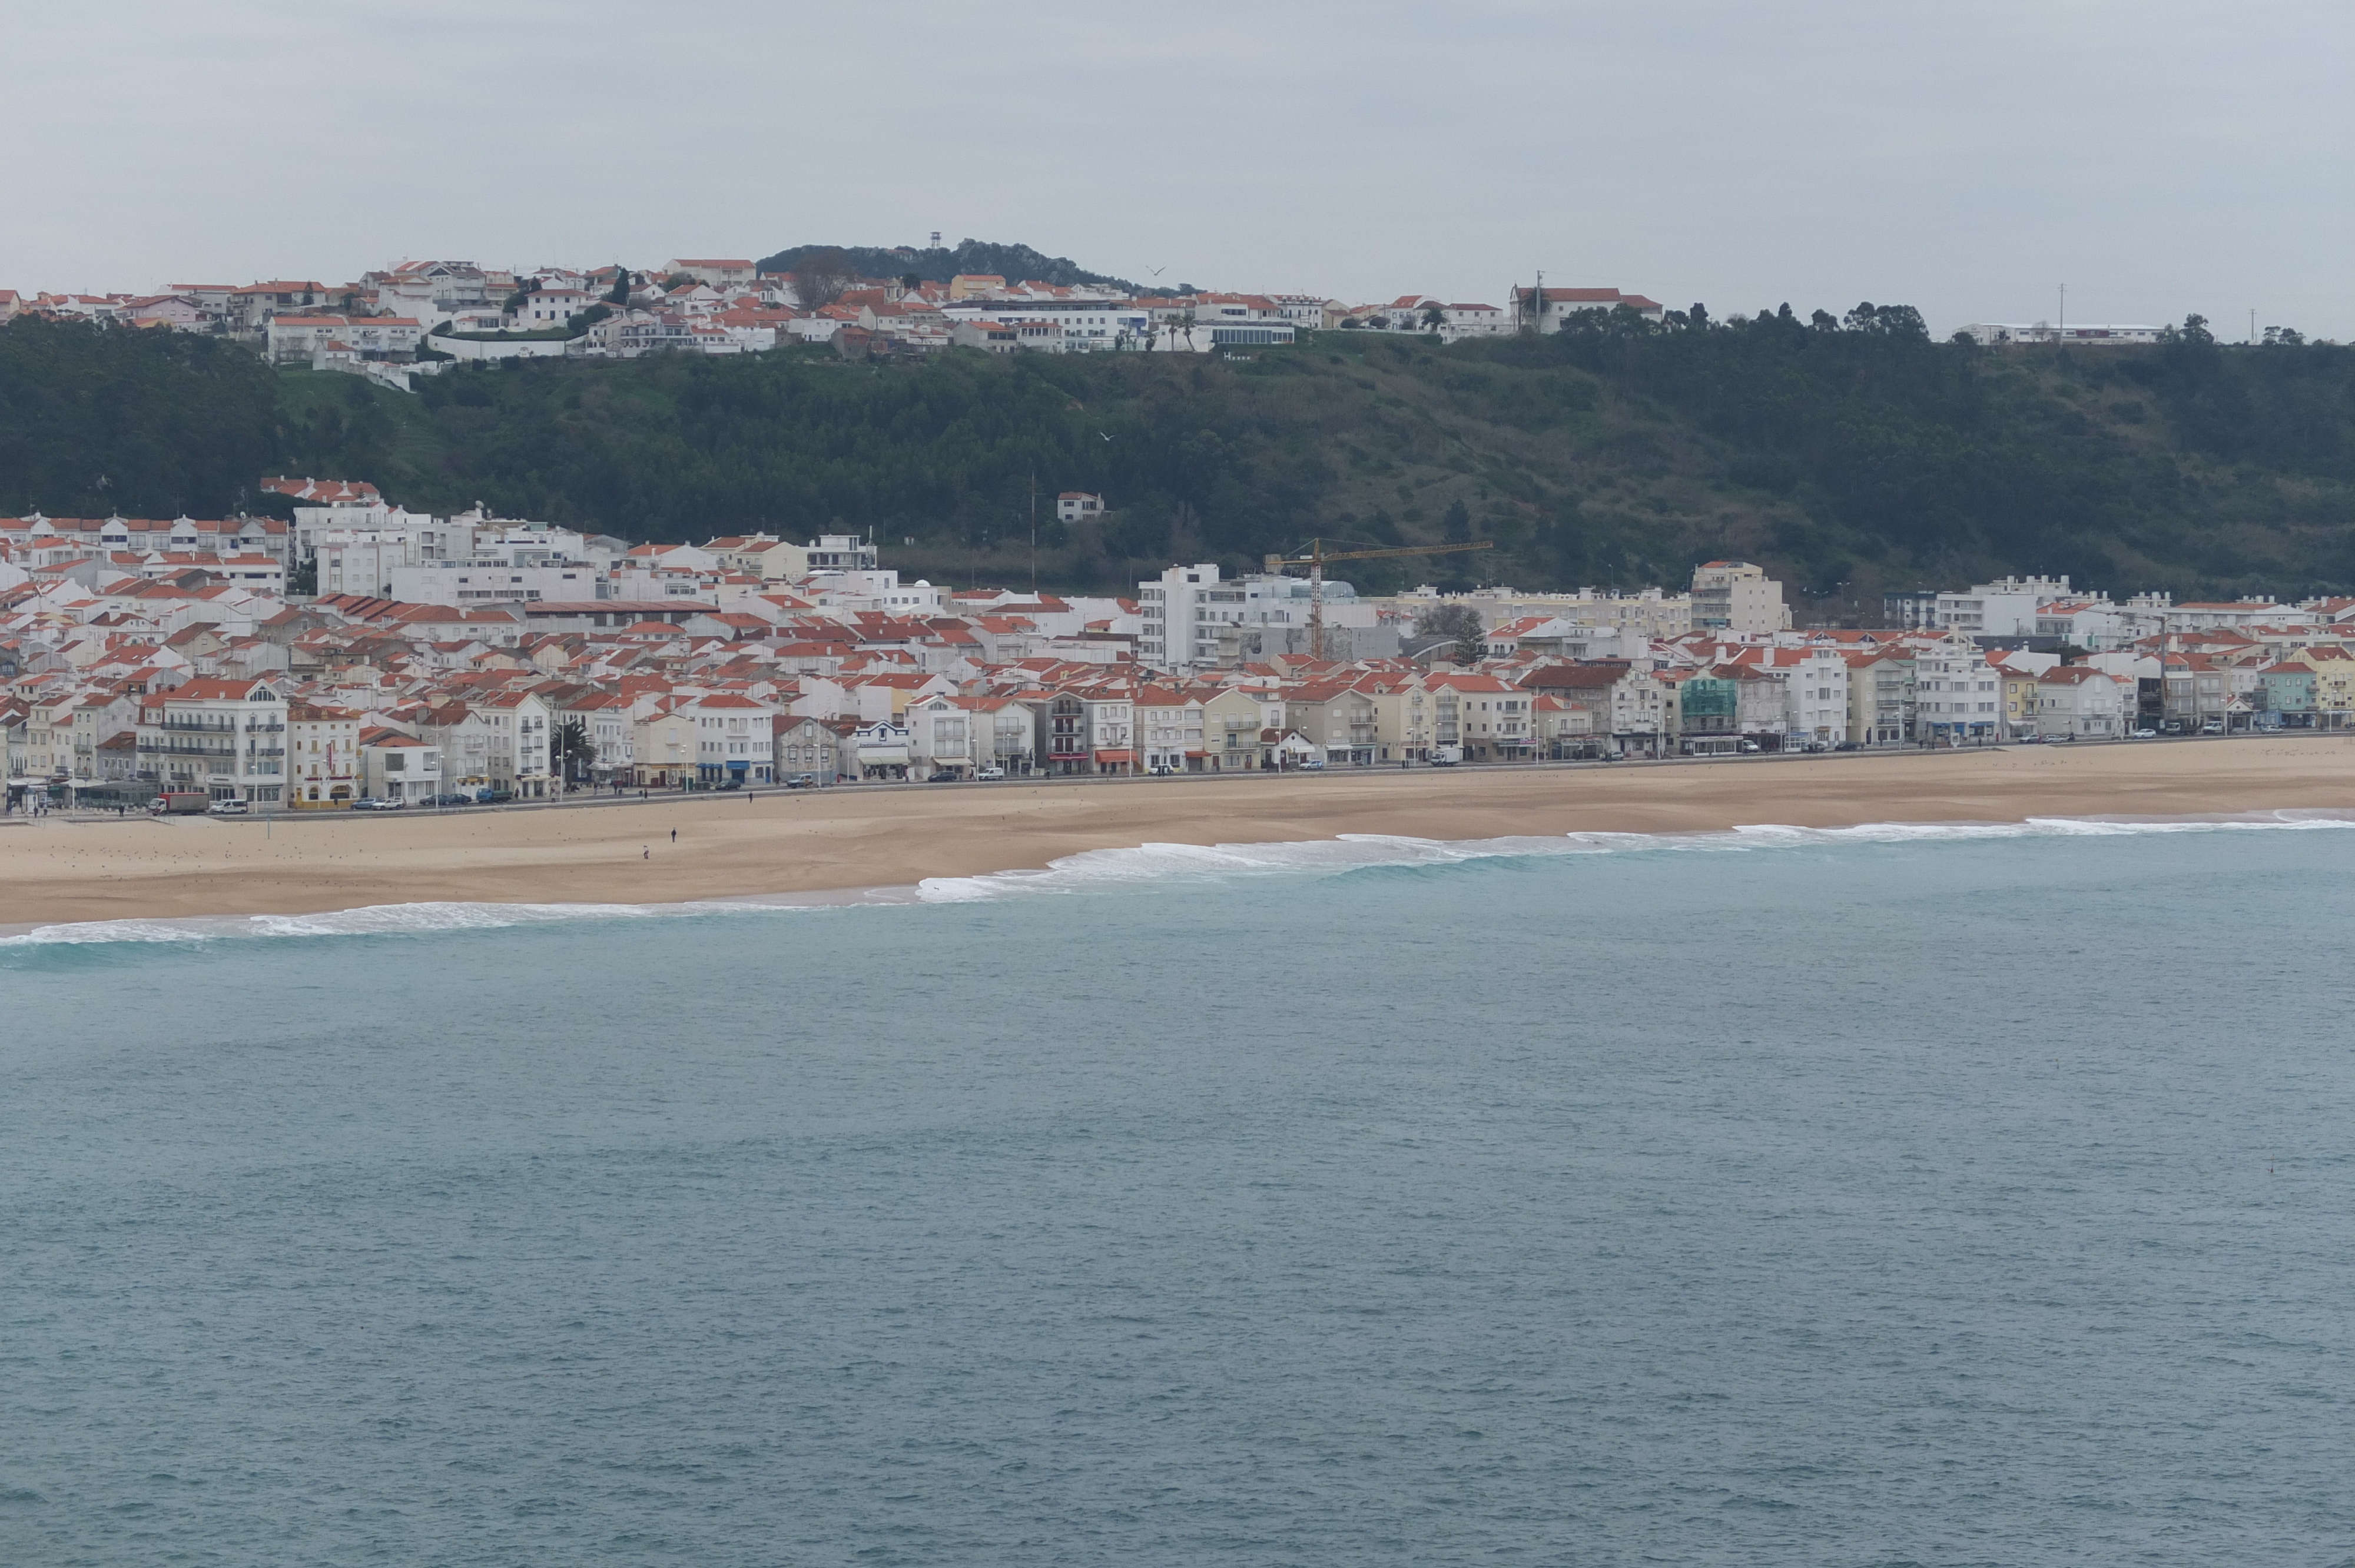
1806, 1199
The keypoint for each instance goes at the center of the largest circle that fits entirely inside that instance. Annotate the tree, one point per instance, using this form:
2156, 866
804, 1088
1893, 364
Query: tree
619, 294
1459, 622
1456, 523
1434, 316
575, 752
821, 276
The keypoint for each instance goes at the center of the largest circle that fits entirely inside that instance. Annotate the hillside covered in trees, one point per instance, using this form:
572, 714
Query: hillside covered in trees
939, 263
1851, 455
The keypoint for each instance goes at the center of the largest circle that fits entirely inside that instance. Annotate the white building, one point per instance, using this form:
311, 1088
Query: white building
2106, 335
2004, 608
735, 739
295, 340
396, 766
1957, 694
474, 583
1736, 596
323, 763
227, 738
2079, 699
1182, 610
1817, 693
1080, 326
1551, 310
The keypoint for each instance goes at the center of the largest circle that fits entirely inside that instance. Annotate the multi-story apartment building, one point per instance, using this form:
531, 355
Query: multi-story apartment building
1182, 610
1735, 596
1491, 720
1169, 729
1880, 698
1956, 692
323, 764
1338, 717
2077, 700
227, 738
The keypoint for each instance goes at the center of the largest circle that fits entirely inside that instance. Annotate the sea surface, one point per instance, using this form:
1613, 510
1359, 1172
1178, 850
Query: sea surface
1879, 1197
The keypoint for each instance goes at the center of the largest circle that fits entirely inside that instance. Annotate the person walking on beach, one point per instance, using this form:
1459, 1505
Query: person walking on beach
673, 835
645, 852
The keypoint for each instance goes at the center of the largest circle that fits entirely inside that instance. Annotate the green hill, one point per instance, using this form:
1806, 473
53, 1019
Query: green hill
1851, 456
939, 263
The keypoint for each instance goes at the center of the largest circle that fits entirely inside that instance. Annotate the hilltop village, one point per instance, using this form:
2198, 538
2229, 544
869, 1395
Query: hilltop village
421, 318
457, 659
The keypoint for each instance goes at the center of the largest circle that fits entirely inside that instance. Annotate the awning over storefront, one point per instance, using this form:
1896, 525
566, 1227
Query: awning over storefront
1116, 757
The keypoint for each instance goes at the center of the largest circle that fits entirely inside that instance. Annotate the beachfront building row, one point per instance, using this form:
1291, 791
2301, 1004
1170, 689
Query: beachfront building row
750, 661
342, 698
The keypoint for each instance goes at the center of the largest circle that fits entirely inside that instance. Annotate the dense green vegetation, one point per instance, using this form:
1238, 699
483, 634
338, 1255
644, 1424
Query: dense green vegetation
94, 421
939, 263
1851, 455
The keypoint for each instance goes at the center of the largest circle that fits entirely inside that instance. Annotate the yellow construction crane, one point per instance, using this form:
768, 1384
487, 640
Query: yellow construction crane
1315, 557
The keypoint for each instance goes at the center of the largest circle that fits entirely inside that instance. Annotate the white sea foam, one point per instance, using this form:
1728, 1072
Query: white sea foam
1095, 869
1100, 870
413, 919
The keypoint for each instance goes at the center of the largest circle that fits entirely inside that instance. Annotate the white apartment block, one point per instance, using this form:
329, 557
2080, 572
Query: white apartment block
1735, 596
1957, 694
476, 583
227, 738
1182, 610
2005, 609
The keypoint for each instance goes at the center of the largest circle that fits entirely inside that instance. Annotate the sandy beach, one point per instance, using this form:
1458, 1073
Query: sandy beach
53, 869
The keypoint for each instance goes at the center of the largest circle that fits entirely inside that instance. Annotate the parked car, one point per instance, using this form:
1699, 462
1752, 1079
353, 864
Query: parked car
1849, 745
801, 781
372, 803
449, 800
989, 775
1311, 765
942, 776
228, 808
180, 804
2142, 735
1750, 746
1161, 770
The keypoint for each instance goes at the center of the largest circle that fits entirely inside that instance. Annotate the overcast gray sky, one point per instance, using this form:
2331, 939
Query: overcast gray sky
2158, 157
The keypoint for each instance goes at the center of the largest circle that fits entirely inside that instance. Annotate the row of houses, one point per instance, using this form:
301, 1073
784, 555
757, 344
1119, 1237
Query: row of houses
419, 316
450, 655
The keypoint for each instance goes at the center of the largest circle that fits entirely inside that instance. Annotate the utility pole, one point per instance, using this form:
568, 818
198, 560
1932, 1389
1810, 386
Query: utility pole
2063, 328
1034, 530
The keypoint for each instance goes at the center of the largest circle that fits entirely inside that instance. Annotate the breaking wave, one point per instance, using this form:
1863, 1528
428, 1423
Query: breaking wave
1096, 869
1107, 869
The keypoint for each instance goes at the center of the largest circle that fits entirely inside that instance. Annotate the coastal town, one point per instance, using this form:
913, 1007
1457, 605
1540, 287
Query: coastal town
421, 318
358, 654
336, 650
